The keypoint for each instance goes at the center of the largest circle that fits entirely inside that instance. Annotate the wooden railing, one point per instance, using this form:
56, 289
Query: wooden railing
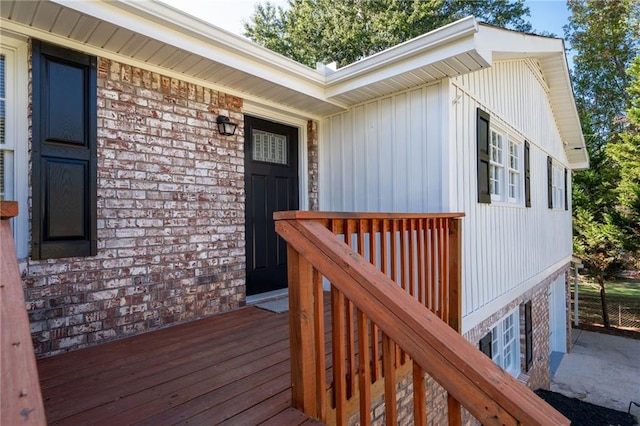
20, 397
395, 309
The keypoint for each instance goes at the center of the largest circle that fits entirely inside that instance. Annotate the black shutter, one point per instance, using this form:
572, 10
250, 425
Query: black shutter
566, 191
485, 345
550, 181
482, 134
528, 333
64, 153
527, 174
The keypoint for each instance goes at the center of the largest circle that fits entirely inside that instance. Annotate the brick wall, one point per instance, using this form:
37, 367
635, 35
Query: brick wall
539, 374
170, 217
312, 153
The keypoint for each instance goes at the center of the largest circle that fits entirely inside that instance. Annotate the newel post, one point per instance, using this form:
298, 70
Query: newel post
304, 378
455, 274
20, 398
455, 302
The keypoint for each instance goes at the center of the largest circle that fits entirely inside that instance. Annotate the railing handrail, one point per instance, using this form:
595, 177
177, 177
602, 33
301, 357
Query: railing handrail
315, 215
491, 395
20, 397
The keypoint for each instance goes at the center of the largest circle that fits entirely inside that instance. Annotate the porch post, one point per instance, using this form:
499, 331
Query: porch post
302, 333
454, 410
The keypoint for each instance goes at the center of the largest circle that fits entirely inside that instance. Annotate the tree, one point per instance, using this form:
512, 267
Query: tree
604, 36
626, 153
311, 31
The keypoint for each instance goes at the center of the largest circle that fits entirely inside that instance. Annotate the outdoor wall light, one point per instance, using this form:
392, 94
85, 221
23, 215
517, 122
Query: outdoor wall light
225, 126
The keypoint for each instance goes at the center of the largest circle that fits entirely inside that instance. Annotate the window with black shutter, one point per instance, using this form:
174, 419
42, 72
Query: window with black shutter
482, 136
566, 194
550, 182
485, 345
527, 174
64, 153
528, 333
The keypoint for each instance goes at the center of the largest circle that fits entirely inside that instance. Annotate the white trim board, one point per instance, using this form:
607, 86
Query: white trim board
476, 317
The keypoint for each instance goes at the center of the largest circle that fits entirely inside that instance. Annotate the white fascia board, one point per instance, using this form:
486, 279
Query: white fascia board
171, 26
387, 71
19, 29
514, 44
463, 28
443, 43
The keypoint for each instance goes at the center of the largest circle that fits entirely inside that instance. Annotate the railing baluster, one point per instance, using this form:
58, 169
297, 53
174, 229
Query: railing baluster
351, 338
338, 338
412, 258
419, 396
402, 226
321, 387
421, 263
433, 293
364, 373
389, 367
373, 254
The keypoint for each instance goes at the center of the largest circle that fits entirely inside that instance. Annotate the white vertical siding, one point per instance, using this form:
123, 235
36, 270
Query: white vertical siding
384, 155
416, 152
505, 245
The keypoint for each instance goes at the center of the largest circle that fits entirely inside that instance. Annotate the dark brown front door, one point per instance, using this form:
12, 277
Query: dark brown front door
271, 182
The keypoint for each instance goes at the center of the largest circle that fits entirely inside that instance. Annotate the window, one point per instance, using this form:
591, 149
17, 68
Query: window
496, 167
64, 154
6, 146
502, 343
505, 164
557, 185
14, 134
514, 173
269, 147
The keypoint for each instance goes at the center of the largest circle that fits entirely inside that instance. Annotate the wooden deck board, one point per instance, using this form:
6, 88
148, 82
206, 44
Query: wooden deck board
231, 368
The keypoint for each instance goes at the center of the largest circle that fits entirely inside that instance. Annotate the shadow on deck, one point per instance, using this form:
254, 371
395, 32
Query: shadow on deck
232, 368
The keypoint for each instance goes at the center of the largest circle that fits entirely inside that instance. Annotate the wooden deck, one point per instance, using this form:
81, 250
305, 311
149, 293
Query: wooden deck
231, 369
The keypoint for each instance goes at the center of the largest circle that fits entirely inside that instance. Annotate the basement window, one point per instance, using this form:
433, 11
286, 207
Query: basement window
502, 343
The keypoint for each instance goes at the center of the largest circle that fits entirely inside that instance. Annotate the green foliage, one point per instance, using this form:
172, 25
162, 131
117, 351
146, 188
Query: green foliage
604, 35
626, 153
344, 31
600, 243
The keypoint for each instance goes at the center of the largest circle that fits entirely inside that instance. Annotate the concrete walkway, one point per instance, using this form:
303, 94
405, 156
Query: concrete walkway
601, 369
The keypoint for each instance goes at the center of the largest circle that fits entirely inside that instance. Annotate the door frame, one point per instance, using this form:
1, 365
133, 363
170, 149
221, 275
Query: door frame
558, 313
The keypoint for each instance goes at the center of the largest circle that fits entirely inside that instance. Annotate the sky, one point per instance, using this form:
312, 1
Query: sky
546, 15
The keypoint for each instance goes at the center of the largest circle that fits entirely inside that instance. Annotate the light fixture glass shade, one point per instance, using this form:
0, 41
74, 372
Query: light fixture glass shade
225, 126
